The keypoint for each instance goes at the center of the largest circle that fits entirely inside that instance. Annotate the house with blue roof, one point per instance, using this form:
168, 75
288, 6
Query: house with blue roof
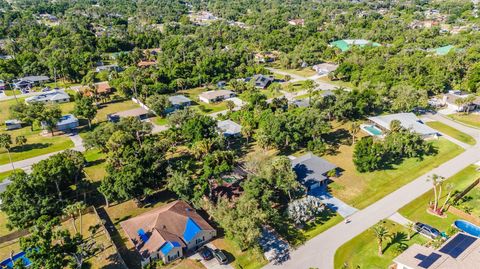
168, 233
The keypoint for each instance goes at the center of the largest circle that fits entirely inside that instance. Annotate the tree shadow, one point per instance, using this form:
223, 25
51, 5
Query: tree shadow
28, 147
399, 238
337, 138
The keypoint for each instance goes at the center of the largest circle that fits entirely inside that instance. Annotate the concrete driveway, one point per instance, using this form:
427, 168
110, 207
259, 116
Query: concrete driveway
333, 203
211, 264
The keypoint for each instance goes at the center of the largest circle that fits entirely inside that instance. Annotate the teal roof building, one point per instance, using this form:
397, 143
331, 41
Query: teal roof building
346, 44
443, 50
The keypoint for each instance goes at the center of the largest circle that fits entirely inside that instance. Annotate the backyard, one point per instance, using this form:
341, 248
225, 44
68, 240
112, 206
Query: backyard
363, 189
361, 251
36, 145
417, 209
452, 132
472, 119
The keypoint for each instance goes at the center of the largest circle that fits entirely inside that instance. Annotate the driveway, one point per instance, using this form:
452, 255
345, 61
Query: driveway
274, 248
333, 203
211, 264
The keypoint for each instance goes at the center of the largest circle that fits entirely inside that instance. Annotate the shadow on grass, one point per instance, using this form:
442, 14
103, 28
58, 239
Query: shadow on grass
28, 147
398, 238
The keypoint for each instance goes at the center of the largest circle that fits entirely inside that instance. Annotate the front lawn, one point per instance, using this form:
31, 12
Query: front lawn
469, 119
95, 168
362, 250
37, 145
362, 189
249, 259
417, 209
450, 131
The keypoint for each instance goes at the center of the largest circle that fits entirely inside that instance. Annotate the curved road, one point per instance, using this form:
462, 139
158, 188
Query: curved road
319, 252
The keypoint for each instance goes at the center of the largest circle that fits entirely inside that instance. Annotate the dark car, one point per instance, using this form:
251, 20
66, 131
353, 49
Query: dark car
206, 253
427, 230
220, 256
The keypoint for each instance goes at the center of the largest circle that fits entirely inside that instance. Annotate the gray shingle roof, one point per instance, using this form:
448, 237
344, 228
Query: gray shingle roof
178, 100
311, 169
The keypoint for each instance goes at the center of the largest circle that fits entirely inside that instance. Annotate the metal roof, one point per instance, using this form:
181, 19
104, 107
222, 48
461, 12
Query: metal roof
407, 121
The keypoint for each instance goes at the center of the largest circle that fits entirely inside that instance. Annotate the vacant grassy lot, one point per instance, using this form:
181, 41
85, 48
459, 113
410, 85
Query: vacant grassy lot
450, 131
417, 209
469, 119
95, 168
363, 189
36, 145
338, 83
362, 251
113, 107
201, 106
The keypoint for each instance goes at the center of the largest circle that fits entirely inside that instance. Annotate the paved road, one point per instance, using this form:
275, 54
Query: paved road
26, 164
319, 252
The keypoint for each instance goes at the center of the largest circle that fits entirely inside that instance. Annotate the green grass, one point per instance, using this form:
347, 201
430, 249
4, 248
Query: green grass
160, 121
362, 250
321, 226
469, 119
417, 209
363, 189
4, 175
11, 92
450, 131
95, 169
36, 145
249, 259
114, 107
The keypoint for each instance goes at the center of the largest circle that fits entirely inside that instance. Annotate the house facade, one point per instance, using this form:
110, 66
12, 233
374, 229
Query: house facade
52, 97
451, 100
168, 232
215, 96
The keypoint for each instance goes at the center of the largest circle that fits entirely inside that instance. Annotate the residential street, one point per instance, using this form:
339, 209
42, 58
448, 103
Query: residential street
319, 252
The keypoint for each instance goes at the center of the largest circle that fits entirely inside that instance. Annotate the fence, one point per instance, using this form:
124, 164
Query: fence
463, 215
107, 233
464, 192
144, 106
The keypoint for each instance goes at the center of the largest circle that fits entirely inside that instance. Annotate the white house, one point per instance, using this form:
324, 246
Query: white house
53, 97
215, 96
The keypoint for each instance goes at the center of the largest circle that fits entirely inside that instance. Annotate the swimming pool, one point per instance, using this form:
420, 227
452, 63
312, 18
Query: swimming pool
8, 263
372, 130
468, 227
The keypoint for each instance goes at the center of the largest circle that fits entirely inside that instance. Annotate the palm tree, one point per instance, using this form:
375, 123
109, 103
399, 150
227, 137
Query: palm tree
310, 86
410, 227
80, 206
20, 140
450, 187
6, 142
354, 128
70, 211
381, 233
435, 179
230, 105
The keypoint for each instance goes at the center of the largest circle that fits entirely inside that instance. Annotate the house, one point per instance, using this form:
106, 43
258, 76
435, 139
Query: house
311, 170
140, 113
407, 121
305, 102
29, 81
215, 96
52, 97
110, 67
460, 251
266, 57
168, 232
324, 68
3, 86
179, 101
346, 44
13, 124
229, 128
451, 98
297, 22
65, 123
262, 81
145, 64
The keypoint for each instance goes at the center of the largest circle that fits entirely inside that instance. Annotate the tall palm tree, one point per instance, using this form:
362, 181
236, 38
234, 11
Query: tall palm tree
410, 227
80, 206
6, 143
71, 211
435, 179
450, 187
381, 233
354, 128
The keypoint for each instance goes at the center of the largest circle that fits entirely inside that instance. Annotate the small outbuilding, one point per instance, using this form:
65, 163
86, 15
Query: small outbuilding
13, 124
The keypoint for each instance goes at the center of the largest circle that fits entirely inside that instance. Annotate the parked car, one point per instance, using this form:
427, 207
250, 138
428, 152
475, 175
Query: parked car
220, 256
427, 230
206, 253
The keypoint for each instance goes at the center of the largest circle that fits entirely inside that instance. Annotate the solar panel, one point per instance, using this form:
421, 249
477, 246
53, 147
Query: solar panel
458, 245
143, 235
429, 260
